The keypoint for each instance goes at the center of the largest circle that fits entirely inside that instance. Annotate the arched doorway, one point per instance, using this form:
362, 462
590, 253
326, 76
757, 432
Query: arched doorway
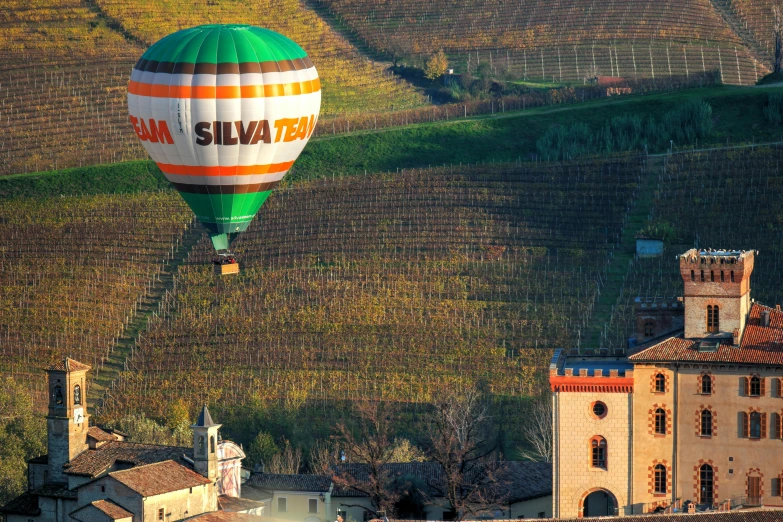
598, 502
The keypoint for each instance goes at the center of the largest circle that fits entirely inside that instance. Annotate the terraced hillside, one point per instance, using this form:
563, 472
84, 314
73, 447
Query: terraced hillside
73, 273
557, 41
390, 287
716, 199
757, 18
64, 74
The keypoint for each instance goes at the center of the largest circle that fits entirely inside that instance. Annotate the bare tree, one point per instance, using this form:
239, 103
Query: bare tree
461, 442
537, 431
288, 461
370, 447
778, 31
324, 455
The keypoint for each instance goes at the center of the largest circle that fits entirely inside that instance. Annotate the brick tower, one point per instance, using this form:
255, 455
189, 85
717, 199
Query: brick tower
67, 421
717, 292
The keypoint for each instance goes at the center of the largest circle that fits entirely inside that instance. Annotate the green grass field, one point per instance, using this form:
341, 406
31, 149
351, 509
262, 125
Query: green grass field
737, 115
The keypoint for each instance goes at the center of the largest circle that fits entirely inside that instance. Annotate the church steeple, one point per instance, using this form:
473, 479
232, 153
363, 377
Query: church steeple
205, 439
68, 420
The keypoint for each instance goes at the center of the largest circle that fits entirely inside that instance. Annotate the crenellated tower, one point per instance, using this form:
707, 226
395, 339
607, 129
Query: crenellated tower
716, 292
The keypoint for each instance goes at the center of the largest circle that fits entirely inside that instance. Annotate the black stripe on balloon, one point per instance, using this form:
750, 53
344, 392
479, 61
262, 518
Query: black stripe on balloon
225, 189
298, 64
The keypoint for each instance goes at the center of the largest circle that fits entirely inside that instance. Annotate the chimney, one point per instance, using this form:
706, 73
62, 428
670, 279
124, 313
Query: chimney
736, 337
777, 307
765, 318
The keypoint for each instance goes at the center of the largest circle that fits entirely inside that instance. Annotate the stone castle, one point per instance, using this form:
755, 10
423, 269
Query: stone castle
693, 413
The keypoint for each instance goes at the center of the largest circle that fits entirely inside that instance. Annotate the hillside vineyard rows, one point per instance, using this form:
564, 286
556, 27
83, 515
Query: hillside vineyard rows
390, 287
64, 76
73, 271
63, 82
724, 198
557, 41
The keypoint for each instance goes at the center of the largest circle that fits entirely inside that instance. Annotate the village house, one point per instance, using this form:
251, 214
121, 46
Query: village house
694, 415
94, 475
524, 491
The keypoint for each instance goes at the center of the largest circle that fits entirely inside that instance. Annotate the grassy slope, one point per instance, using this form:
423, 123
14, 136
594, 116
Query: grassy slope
501, 137
506, 137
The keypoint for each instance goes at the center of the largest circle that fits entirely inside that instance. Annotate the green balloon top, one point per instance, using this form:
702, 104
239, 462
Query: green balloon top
218, 43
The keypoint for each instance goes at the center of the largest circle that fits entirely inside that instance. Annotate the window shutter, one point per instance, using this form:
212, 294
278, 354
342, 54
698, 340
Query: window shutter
762, 380
745, 424
746, 382
763, 425
774, 418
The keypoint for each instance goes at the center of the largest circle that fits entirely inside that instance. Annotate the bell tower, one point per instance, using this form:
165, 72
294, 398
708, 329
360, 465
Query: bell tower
205, 440
717, 292
67, 421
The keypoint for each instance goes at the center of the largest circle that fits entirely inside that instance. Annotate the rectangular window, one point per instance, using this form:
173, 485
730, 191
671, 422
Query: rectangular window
732, 276
702, 276
282, 505
313, 505
722, 276
161, 512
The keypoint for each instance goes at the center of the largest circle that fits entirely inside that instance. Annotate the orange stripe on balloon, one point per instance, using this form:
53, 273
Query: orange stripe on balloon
224, 91
241, 170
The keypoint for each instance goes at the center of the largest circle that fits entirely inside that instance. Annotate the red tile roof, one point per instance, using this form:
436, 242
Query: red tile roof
759, 345
98, 434
237, 504
159, 478
68, 365
107, 507
93, 463
228, 516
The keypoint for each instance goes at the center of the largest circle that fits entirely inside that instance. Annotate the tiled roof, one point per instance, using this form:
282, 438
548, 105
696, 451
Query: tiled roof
68, 365
112, 510
228, 516
275, 481
98, 434
95, 462
159, 478
236, 504
527, 480
515, 481
25, 504
55, 491
107, 507
759, 345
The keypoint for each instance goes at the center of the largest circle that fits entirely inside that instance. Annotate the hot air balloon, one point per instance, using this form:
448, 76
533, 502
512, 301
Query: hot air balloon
224, 111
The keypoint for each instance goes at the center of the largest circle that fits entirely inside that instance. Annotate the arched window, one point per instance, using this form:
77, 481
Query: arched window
754, 387
649, 328
201, 448
706, 423
755, 425
713, 318
58, 395
660, 479
660, 383
212, 444
706, 385
706, 484
598, 452
660, 421
77, 394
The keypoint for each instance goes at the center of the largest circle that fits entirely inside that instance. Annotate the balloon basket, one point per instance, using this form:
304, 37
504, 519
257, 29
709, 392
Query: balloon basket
228, 269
